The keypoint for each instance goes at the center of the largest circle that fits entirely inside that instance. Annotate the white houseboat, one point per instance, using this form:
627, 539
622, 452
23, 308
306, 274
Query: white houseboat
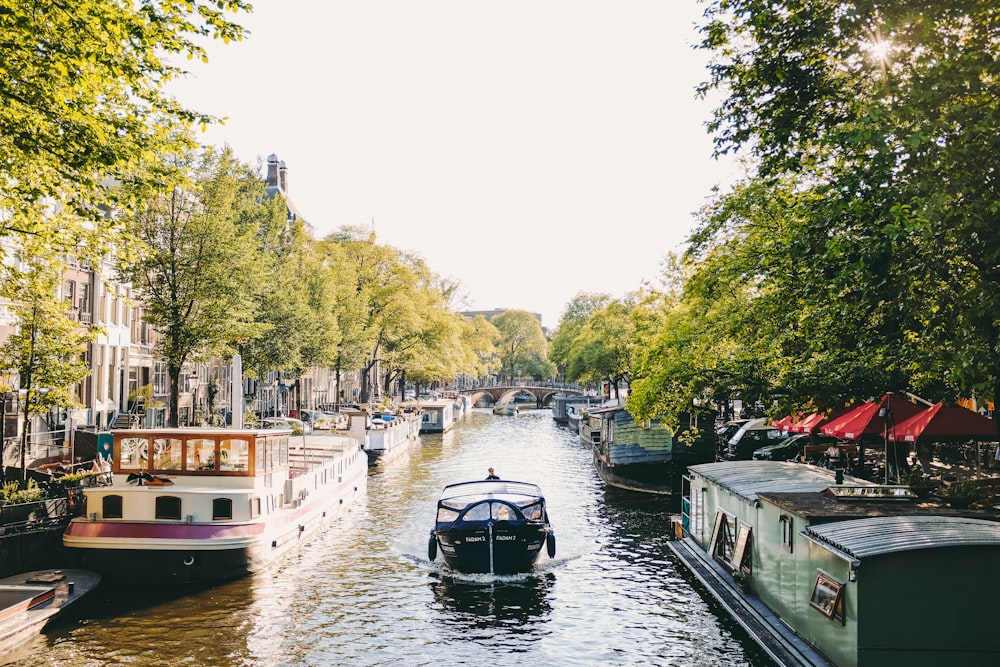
384, 436
203, 505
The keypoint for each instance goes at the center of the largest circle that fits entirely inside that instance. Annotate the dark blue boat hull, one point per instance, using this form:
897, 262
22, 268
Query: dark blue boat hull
509, 550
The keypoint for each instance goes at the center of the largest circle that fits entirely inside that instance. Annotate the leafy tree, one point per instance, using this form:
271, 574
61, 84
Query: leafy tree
577, 312
83, 106
47, 348
198, 260
522, 347
879, 119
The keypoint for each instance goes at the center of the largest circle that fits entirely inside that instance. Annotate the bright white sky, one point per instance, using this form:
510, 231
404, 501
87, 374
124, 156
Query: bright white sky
530, 150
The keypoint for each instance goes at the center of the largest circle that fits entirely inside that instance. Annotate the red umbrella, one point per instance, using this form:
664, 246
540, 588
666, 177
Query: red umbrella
808, 423
784, 423
865, 420
939, 423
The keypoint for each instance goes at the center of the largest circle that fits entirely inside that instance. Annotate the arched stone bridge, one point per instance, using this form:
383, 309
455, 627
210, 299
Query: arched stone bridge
500, 394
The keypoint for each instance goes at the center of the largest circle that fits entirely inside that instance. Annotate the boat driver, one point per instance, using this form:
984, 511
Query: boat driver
491, 475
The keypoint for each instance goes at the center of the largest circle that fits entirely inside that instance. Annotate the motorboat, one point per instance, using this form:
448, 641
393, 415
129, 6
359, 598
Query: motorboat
505, 409
200, 505
31, 601
491, 526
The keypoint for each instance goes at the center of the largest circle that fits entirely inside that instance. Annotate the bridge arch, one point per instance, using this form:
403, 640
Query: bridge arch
500, 394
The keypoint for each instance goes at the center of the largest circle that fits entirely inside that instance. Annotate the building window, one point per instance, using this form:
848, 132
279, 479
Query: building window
786, 532
828, 597
168, 507
111, 507
69, 293
222, 508
160, 380
85, 303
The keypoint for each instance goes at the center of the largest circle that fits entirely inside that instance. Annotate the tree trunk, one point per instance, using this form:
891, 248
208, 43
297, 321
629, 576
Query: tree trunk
173, 410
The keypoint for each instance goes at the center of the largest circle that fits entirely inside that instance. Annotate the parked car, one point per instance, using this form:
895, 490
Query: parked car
751, 436
791, 447
297, 426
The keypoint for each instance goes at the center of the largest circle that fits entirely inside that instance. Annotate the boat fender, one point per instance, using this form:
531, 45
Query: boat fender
550, 545
432, 548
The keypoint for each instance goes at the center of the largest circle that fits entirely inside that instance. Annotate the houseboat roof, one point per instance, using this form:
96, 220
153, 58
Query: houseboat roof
748, 479
874, 536
820, 507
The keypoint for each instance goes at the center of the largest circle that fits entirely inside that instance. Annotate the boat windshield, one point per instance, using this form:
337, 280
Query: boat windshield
486, 510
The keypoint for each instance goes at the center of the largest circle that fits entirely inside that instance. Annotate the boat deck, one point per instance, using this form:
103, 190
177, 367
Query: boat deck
783, 646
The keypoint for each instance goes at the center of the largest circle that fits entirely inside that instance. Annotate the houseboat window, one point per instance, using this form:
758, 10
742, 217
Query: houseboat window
134, 454
111, 507
260, 448
222, 508
254, 507
786, 532
168, 507
200, 454
283, 454
234, 454
723, 537
741, 552
166, 454
828, 597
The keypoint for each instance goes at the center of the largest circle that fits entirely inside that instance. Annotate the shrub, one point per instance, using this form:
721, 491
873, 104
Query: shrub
13, 494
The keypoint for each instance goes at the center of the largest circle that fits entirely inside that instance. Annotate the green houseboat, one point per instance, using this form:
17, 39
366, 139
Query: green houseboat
857, 573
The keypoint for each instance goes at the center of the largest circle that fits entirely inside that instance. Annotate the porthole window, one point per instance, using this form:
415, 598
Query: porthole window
222, 508
168, 507
111, 507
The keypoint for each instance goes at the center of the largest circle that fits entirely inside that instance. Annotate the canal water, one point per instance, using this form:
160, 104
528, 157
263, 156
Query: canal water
364, 592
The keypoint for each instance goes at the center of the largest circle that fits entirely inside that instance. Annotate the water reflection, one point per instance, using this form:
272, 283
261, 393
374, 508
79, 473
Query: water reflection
515, 604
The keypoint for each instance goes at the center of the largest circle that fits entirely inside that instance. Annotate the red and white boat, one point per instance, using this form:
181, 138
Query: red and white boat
204, 505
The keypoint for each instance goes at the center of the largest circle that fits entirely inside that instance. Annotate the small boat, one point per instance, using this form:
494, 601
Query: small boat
493, 526
32, 600
201, 505
505, 409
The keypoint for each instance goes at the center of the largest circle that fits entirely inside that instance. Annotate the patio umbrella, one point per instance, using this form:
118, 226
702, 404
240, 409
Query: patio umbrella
941, 423
865, 420
814, 421
784, 423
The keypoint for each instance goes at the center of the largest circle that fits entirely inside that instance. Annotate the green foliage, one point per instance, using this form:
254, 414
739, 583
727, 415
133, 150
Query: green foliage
198, 261
83, 107
13, 494
48, 345
861, 254
522, 348
964, 489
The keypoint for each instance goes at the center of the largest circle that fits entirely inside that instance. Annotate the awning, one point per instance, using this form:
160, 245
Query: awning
940, 423
865, 420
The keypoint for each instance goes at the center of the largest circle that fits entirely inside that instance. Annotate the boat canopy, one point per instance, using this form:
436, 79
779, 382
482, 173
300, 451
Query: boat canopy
469, 492
491, 500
